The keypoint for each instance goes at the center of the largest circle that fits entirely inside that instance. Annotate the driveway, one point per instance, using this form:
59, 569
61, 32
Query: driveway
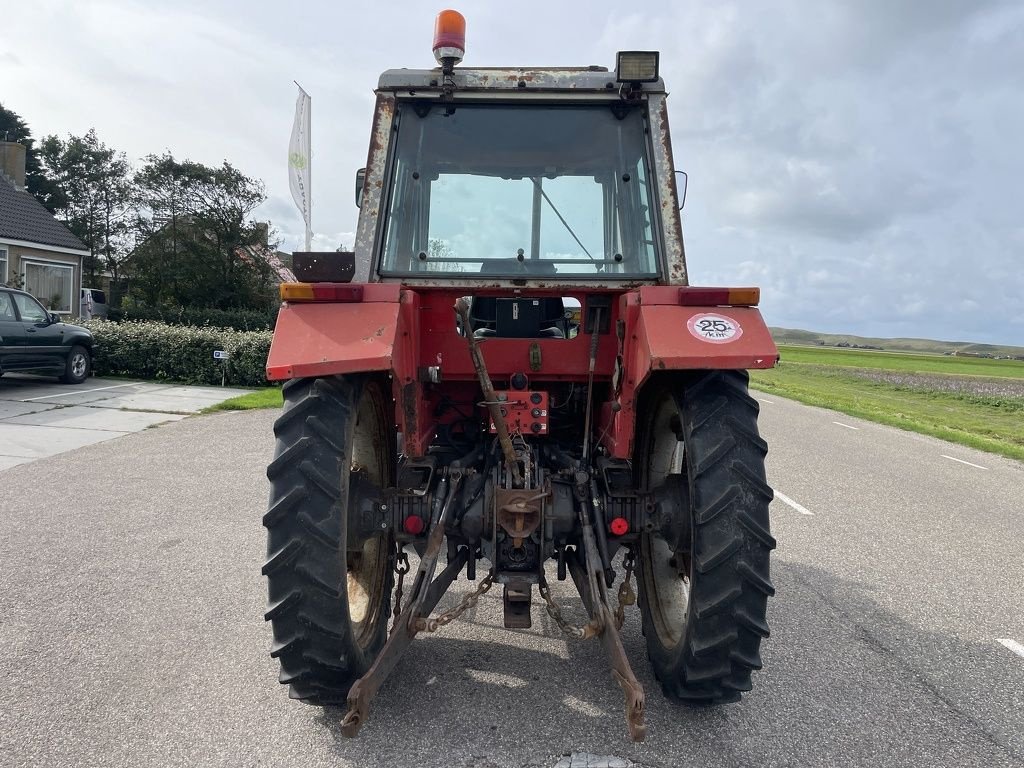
40, 418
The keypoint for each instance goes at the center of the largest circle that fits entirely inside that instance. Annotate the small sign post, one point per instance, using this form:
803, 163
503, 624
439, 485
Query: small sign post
220, 354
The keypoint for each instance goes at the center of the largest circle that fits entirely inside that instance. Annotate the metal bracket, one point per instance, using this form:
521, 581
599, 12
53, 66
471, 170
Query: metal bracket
586, 576
366, 687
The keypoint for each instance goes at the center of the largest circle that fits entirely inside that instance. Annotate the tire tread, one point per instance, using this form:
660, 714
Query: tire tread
315, 646
730, 580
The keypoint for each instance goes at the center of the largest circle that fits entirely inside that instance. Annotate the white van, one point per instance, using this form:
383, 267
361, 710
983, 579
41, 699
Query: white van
99, 303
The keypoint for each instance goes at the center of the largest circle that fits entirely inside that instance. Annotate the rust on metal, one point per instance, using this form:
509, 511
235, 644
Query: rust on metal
564, 80
410, 407
519, 511
589, 580
462, 308
365, 688
376, 164
426, 592
668, 200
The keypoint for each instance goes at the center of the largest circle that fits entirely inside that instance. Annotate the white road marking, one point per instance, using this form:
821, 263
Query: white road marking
78, 392
762, 400
845, 425
952, 458
798, 507
1014, 646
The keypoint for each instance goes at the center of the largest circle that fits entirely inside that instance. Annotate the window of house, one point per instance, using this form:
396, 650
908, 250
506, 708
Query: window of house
3, 266
51, 283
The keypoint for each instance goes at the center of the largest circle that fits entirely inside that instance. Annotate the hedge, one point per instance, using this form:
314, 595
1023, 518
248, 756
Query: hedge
238, 319
149, 350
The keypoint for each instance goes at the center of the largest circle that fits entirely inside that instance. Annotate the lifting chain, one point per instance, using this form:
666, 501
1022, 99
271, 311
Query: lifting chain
626, 597
467, 602
555, 612
626, 594
401, 568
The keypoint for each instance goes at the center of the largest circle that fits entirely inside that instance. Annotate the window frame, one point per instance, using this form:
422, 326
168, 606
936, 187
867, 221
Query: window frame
5, 257
40, 262
390, 183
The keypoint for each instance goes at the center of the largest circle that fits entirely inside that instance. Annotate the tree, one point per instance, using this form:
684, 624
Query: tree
438, 253
196, 242
97, 190
42, 188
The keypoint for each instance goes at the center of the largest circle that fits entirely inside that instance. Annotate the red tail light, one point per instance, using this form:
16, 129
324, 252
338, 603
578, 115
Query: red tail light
413, 525
619, 526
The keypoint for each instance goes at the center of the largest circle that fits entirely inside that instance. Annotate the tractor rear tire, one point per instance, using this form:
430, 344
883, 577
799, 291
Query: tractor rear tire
329, 597
703, 610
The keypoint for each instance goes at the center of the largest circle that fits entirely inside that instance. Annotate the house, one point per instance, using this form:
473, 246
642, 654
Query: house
37, 252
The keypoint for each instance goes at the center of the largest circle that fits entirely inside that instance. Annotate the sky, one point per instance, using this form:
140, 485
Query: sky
860, 160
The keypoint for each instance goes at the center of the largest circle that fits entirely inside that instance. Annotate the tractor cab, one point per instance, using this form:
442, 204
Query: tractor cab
526, 176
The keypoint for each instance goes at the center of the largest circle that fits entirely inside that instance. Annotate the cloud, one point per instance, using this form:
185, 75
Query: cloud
859, 158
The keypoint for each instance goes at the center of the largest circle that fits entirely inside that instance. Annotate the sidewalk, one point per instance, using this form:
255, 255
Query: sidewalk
40, 418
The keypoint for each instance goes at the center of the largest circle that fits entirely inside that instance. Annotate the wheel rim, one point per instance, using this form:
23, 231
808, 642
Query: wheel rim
78, 365
665, 573
367, 567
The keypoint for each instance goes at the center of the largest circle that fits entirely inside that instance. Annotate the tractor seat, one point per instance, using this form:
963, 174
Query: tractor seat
527, 321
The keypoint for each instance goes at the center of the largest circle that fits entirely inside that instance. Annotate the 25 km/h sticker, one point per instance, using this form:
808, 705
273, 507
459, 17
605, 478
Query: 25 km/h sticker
715, 329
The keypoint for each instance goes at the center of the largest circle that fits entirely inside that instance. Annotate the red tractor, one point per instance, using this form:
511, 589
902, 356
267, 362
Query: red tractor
512, 378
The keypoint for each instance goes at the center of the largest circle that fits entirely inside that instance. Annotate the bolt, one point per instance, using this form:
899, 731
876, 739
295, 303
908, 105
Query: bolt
383, 507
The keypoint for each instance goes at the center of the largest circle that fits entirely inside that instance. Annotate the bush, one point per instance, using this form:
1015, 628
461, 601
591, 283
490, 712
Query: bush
238, 319
150, 350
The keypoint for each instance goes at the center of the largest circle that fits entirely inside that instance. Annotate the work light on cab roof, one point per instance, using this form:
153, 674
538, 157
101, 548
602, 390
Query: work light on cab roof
449, 39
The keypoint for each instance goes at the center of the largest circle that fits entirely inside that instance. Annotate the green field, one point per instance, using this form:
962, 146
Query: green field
902, 361
925, 346
972, 401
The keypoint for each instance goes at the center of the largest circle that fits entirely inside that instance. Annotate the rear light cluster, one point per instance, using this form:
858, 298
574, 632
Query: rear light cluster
719, 297
299, 292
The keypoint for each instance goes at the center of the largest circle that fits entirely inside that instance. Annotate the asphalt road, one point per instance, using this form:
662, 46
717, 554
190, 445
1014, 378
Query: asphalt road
132, 633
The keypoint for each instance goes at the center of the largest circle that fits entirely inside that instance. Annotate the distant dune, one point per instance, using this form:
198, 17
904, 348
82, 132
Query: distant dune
811, 338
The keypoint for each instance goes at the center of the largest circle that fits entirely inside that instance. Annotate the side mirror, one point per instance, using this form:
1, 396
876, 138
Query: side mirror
55, 318
686, 183
360, 182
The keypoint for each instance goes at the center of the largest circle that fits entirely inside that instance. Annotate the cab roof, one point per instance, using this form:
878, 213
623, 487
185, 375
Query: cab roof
530, 79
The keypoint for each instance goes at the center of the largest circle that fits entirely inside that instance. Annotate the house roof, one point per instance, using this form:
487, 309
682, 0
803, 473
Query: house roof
22, 217
269, 255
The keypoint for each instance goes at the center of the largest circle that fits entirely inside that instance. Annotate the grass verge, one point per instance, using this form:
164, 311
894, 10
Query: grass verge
264, 398
902, 361
988, 424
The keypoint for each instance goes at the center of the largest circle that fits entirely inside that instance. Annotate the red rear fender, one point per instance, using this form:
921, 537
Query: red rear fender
322, 339
664, 335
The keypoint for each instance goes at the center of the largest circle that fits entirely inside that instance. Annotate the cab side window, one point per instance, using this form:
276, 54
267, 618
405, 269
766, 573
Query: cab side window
29, 309
6, 308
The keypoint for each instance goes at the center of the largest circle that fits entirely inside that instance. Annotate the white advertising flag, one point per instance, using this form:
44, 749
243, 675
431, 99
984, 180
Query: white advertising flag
298, 162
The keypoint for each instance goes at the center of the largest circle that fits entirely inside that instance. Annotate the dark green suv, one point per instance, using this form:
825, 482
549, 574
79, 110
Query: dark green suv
36, 341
